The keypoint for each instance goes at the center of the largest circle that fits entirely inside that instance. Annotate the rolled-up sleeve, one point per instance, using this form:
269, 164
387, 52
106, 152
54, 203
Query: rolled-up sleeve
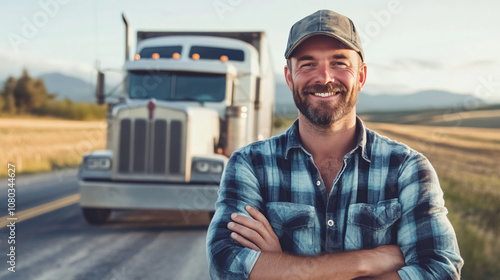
425, 235
239, 187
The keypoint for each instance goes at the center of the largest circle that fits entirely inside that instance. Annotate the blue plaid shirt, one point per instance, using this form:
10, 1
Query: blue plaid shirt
385, 193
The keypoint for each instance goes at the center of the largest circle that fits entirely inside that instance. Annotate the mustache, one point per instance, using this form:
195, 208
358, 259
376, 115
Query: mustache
325, 88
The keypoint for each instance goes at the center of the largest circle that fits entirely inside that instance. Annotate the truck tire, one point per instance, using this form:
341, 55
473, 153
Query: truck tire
96, 216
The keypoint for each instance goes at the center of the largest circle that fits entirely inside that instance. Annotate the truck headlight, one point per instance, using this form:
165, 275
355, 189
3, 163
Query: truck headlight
97, 163
204, 166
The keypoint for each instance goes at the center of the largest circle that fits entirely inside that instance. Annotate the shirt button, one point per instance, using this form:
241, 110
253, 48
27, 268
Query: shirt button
318, 183
331, 222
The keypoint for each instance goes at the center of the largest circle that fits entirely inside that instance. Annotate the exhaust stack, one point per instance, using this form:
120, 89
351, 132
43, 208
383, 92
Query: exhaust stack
127, 38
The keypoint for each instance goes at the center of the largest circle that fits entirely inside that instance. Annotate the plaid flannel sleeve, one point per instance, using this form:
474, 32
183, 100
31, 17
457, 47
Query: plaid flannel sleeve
425, 235
239, 187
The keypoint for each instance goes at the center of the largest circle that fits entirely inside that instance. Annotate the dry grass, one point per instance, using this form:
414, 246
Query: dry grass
484, 116
471, 151
43, 144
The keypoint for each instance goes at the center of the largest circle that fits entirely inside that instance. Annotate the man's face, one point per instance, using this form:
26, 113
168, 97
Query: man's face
325, 77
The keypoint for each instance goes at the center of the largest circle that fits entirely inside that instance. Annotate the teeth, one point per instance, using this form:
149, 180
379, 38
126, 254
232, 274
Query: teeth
324, 94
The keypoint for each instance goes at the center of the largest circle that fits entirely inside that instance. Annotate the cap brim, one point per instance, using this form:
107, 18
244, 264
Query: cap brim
329, 34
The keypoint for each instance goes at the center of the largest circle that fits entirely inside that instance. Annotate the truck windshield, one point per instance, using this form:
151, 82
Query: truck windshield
179, 86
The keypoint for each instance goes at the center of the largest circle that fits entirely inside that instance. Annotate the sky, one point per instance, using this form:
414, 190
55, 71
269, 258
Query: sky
409, 45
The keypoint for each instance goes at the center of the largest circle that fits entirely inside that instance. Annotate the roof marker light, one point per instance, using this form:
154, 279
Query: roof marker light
137, 57
224, 58
176, 55
195, 56
155, 56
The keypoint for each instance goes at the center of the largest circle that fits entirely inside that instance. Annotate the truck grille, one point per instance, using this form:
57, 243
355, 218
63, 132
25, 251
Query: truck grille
150, 147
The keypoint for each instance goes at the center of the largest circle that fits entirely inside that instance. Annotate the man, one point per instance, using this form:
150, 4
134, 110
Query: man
330, 199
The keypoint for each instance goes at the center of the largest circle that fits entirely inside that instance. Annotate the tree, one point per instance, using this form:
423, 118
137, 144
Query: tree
9, 105
2, 102
30, 94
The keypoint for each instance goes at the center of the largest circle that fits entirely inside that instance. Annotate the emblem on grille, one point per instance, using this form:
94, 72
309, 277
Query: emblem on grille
151, 108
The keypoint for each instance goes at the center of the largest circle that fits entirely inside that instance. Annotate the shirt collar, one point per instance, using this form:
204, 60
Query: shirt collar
293, 139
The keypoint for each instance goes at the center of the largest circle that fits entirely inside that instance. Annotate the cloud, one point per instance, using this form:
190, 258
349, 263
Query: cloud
460, 77
409, 64
480, 63
13, 62
395, 88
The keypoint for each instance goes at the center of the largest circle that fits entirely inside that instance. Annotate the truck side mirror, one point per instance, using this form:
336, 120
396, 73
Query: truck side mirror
99, 92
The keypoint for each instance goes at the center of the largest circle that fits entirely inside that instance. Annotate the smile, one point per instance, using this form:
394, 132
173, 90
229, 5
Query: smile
325, 94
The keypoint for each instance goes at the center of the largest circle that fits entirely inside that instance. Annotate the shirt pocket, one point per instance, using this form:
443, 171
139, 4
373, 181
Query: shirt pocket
372, 225
294, 224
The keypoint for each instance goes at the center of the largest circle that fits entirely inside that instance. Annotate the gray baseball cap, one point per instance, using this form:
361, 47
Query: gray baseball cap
324, 22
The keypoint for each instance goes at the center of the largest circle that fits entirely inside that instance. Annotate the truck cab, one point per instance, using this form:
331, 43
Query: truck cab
190, 100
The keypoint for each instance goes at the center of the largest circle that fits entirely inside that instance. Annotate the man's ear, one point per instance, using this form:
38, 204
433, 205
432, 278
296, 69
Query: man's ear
362, 76
288, 77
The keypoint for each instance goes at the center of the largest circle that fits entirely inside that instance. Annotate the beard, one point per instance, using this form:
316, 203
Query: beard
325, 113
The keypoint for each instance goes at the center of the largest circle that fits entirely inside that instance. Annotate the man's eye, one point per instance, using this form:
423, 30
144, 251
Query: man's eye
339, 64
307, 65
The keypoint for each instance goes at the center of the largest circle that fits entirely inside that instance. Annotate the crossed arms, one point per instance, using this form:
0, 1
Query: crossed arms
257, 234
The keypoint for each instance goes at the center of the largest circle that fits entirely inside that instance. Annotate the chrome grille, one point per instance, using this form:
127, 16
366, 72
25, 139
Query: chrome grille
175, 147
124, 148
160, 147
150, 147
139, 149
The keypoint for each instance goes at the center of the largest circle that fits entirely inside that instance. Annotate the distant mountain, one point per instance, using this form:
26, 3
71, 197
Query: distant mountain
427, 99
3, 79
75, 89
284, 104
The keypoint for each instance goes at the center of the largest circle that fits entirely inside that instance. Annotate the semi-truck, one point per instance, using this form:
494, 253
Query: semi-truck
190, 100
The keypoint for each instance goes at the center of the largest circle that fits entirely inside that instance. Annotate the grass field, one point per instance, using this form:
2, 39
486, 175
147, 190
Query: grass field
466, 160
486, 116
43, 144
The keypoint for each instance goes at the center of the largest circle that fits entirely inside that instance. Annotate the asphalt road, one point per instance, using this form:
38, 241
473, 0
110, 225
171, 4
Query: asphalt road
60, 245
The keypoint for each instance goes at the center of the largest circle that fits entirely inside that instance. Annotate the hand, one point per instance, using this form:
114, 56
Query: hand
387, 258
256, 234
389, 276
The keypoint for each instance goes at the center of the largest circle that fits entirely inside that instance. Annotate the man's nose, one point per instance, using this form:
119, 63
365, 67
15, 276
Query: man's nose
325, 74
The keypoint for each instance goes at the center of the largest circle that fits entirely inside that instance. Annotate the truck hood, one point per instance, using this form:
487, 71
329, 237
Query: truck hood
179, 106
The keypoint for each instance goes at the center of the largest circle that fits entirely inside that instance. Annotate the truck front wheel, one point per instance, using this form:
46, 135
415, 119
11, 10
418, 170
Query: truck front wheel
96, 216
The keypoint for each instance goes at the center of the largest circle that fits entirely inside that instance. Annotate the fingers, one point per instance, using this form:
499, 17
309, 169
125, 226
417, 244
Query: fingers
261, 218
389, 258
244, 242
253, 224
247, 232
254, 232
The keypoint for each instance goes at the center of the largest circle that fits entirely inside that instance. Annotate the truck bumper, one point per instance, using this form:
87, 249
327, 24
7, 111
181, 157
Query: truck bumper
124, 195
